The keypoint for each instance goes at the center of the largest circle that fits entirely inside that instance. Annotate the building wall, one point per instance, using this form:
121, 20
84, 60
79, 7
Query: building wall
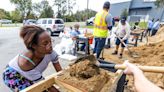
156, 13
137, 7
141, 3
117, 8
139, 11
153, 12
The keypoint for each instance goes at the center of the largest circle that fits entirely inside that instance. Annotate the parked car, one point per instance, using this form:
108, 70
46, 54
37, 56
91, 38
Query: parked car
52, 25
90, 21
30, 22
5, 21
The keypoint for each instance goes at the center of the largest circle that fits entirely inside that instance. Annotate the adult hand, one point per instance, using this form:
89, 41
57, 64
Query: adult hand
131, 69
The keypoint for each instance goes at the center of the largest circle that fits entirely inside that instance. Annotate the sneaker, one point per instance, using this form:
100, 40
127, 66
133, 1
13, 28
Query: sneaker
120, 56
114, 53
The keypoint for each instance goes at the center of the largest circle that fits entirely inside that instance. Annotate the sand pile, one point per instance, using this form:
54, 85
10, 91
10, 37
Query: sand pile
84, 70
150, 55
158, 37
86, 76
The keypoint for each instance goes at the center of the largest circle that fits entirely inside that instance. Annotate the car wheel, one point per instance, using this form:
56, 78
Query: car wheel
49, 31
91, 23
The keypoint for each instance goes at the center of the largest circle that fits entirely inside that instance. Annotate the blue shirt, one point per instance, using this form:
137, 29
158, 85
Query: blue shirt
156, 25
75, 33
150, 24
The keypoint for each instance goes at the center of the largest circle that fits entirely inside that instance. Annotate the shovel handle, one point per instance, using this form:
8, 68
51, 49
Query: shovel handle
154, 69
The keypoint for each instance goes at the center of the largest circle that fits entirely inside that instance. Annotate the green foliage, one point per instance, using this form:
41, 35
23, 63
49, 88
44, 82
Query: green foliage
64, 7
43, 9
47, 12
61, 7
16, 16
82, 15
24, 6
4, 14
124, 13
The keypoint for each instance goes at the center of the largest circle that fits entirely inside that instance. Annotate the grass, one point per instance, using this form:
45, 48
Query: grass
89, 27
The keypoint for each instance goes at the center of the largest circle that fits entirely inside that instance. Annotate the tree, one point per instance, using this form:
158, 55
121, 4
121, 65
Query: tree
24, 6
47, 13
84, 15
160, 3
4, 14
16, 16
43, 9
124, 13
64, 7
70, 5
31, 15
61, 7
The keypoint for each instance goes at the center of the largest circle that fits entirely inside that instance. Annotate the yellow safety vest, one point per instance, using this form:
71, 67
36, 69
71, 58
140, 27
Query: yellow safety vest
100, 25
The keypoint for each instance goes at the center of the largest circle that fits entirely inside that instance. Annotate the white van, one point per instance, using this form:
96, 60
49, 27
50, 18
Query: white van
52, 25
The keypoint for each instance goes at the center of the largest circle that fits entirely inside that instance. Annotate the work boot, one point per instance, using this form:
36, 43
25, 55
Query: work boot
120, 56
115, 53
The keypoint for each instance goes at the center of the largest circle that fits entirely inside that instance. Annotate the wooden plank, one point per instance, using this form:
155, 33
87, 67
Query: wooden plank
48, 82
67, 86
42, 85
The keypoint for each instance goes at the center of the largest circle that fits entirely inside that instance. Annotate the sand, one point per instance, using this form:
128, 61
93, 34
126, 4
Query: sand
150, 55
87, 77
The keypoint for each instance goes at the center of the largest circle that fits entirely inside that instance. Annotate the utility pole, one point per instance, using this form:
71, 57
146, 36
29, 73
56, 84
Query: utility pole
87, 9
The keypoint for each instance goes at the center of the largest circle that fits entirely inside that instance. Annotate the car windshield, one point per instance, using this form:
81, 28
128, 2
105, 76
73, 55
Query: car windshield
59, 22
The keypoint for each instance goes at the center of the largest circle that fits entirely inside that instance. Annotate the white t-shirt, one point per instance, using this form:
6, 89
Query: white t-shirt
35, 73
123, 31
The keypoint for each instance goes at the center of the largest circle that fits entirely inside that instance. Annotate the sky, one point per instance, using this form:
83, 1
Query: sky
80, 4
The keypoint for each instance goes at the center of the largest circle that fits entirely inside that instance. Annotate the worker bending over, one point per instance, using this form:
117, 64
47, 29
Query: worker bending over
122, 32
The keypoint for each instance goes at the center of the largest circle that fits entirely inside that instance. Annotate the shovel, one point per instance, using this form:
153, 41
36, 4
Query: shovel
153, 69
114, 67
135, 55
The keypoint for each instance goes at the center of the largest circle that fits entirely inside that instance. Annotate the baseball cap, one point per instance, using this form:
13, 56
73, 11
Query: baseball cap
106, 5
123, 19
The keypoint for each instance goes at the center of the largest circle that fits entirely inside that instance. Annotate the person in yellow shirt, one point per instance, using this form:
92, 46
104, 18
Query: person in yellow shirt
102, 23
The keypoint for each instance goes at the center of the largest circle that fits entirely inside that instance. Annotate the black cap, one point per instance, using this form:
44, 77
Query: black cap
106, 5
123, 19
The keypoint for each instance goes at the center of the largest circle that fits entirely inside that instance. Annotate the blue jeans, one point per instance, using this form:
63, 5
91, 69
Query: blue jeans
99, 45
154, 31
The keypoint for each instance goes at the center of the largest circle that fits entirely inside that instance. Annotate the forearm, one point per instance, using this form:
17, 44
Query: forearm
142, 84
57, 66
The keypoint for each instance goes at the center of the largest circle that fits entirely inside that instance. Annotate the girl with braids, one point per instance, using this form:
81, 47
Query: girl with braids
27, 67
